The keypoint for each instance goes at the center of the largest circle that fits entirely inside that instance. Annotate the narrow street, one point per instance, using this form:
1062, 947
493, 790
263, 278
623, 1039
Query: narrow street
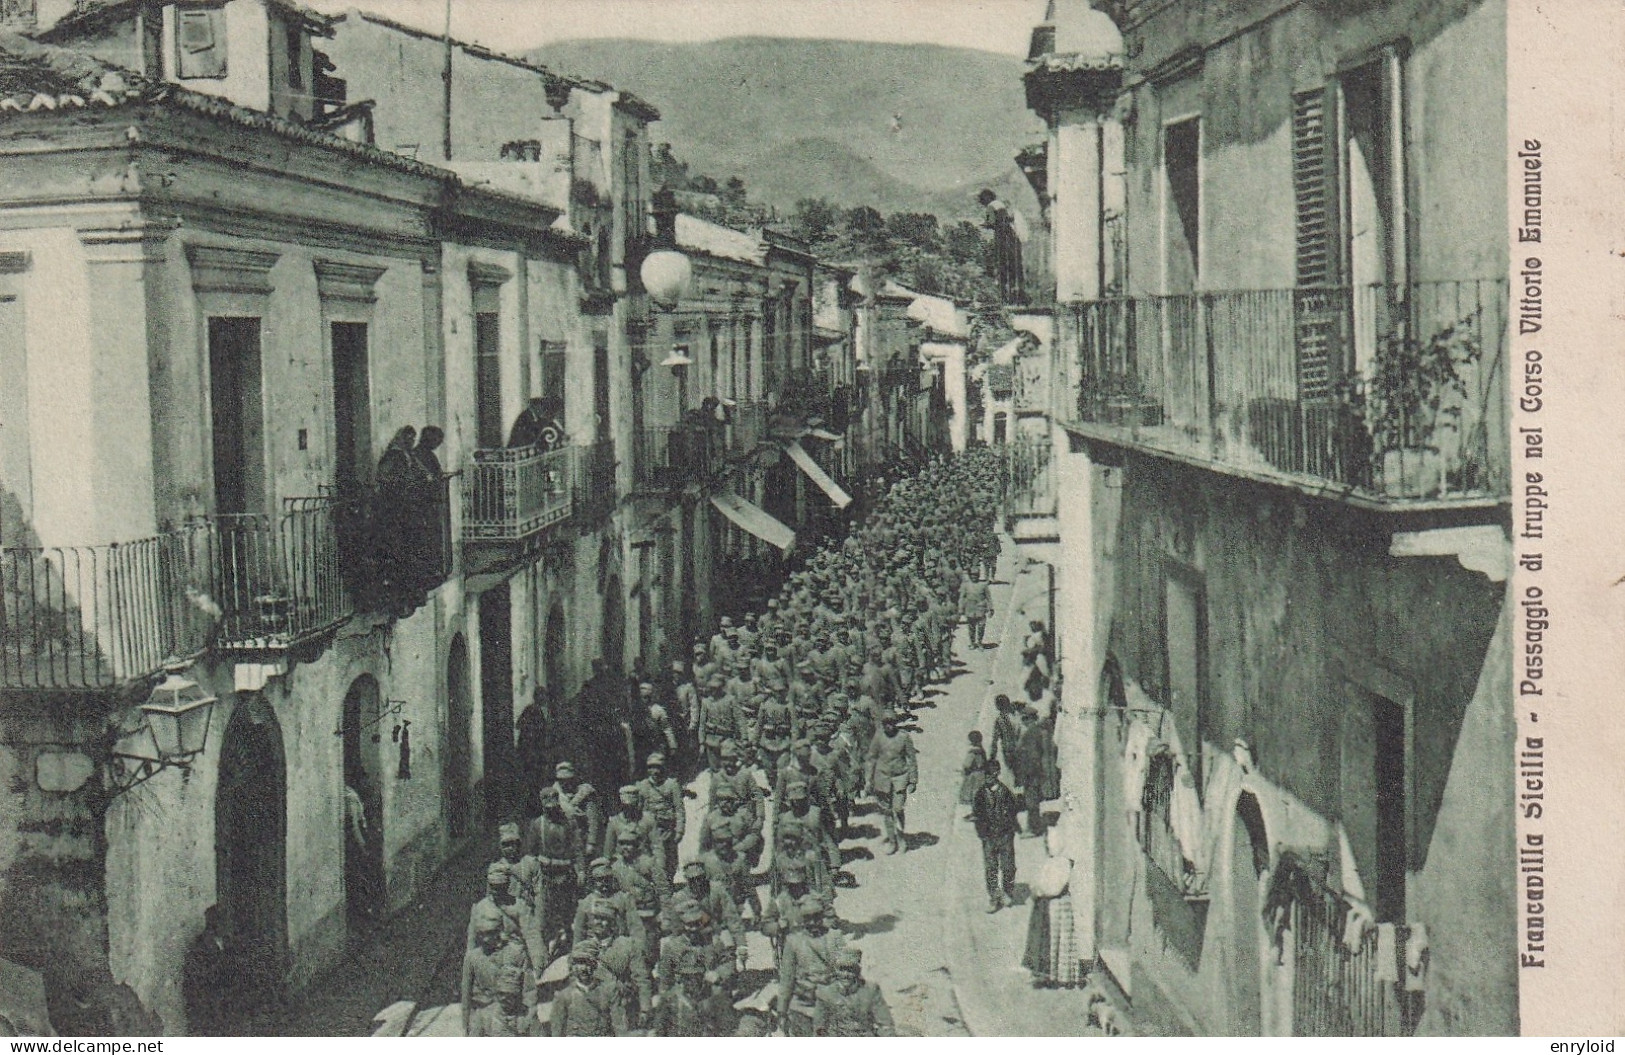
946, 966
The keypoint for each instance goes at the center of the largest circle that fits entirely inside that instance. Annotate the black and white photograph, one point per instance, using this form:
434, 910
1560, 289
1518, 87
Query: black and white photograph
810, 518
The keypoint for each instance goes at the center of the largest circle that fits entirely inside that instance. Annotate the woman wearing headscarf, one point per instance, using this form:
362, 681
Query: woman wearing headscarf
394, 517
431, 524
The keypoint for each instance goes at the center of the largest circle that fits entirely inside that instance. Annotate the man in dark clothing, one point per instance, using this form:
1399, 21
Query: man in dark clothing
1032, 760
993, 812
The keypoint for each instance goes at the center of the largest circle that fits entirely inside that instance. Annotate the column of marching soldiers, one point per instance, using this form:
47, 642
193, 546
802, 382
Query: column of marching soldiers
796, 714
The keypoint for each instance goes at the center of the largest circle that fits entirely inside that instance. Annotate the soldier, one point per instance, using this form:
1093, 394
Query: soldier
685, 707
801, 815
656, 731
975, 604
493, 981
709, 883
635, 819
606, 895
498, 896
692, 1008
525, 884
893, 775
623, 963
663, 800
726, 819
555, 843
782, 913
640, 876
587, 1007
807, 962
774, 731
696, 940
579, 800
718, 720
851, 1006
742, 781
832, 763
794, 848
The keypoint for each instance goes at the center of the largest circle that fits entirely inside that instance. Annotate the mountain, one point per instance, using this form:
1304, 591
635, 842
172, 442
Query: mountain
897, 126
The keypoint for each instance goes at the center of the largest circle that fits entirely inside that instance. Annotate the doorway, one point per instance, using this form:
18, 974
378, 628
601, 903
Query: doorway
614, 633
250, 840
496, 705
237, 403
457, 774
364, 892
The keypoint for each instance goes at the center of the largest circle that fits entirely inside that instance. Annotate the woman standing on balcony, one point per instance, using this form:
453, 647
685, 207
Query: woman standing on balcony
431, 528
394, 518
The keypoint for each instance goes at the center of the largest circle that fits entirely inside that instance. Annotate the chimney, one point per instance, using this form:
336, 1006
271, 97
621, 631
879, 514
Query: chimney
19, 16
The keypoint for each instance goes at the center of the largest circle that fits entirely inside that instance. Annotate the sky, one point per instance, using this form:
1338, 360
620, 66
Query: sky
516, 25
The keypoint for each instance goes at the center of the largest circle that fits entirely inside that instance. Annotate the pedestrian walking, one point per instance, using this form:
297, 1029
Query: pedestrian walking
894, 774
993, 813
975, 604
1031, 773
851, 1006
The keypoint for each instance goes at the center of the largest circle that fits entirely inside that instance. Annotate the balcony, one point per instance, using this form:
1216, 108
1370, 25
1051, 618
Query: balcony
1381, 394
595, 493
280, 581
87, 617
515, 494
668, 458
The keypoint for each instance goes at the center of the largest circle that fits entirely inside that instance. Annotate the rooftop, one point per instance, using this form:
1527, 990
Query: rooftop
94, 13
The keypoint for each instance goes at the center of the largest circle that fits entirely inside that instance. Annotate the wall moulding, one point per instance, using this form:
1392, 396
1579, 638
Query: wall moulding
216, 269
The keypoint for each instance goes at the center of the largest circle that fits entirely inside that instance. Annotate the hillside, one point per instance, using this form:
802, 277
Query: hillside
897, 126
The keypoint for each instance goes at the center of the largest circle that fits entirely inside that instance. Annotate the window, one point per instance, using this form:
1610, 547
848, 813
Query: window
1185, 638
487, 372
200, 43
1182, 197
352, 407
552, 387
296, 48
1372, 201
600, 385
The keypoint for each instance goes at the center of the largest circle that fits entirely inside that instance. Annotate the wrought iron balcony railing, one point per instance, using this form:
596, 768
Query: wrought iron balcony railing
1389, 392
277, 581
669, 457
82, 617
512, 494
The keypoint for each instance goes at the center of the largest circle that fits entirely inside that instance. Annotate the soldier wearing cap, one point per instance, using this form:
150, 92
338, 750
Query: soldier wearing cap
579, 800
832, 768
498, 897
851, 1006
623, 962
703, 665
894, 774
710, 882
605, 895
637, 821
775, 730
727, 816
718, 720
495, 970
586, 1006
692, 1008
696, 939
555, 843
525, 884
801, 814
794, 846
807, 962
663, 800
642, 878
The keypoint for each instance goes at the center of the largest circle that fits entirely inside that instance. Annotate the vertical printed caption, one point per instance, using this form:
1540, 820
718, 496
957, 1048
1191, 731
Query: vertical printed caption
1533, 503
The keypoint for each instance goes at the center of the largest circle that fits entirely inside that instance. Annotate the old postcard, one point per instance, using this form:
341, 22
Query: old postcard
817, 518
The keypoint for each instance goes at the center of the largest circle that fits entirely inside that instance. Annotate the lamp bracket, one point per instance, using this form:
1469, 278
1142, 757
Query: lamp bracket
390, 709
131, 771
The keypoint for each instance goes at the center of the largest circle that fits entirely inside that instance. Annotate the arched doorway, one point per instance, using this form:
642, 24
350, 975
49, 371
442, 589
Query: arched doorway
250, 847
1249, 859
614, 633
457, 774
364, 898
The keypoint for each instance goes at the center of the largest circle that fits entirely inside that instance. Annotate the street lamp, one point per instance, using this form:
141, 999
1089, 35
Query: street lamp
173, 730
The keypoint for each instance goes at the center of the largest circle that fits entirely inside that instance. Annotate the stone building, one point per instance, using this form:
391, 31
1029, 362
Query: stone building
1280, 380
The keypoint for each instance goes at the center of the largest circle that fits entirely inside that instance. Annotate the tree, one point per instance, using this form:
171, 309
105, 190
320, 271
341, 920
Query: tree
964, 243
815, 219
918, 229
734, 191
866, 227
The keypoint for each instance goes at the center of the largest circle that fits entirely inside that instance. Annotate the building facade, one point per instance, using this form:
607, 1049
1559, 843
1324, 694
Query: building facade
1279, 374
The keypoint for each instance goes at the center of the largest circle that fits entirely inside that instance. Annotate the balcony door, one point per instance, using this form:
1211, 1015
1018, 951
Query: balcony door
1372, 200
1182, 205
236, 400
352, 407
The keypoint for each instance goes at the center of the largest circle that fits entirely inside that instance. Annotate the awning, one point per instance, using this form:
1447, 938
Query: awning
756, 520
817, 475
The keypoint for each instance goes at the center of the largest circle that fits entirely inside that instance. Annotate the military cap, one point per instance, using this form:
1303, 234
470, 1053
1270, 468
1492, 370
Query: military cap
508, 833
564, 769
604, 911
725, 794
810, 904
656, 759
584, 952
694, 870
727, 620
796, 789
600, 868
487, 917
498, 873
550, 795
627, 837
629, 793
793, 872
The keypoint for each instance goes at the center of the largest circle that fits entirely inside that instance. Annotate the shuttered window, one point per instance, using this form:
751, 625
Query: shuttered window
200, 43
1317, 309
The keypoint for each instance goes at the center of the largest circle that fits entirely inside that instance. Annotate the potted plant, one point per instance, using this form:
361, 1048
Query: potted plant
1411, 397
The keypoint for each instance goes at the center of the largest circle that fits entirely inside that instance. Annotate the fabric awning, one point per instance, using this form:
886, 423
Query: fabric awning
817, 475
756, 520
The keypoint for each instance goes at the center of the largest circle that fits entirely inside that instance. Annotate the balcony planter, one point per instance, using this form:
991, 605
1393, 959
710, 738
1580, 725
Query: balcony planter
1411, 472
1412, 398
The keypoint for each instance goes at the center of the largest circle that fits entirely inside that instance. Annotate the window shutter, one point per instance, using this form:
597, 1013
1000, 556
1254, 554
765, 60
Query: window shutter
1317, 310
200, 43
